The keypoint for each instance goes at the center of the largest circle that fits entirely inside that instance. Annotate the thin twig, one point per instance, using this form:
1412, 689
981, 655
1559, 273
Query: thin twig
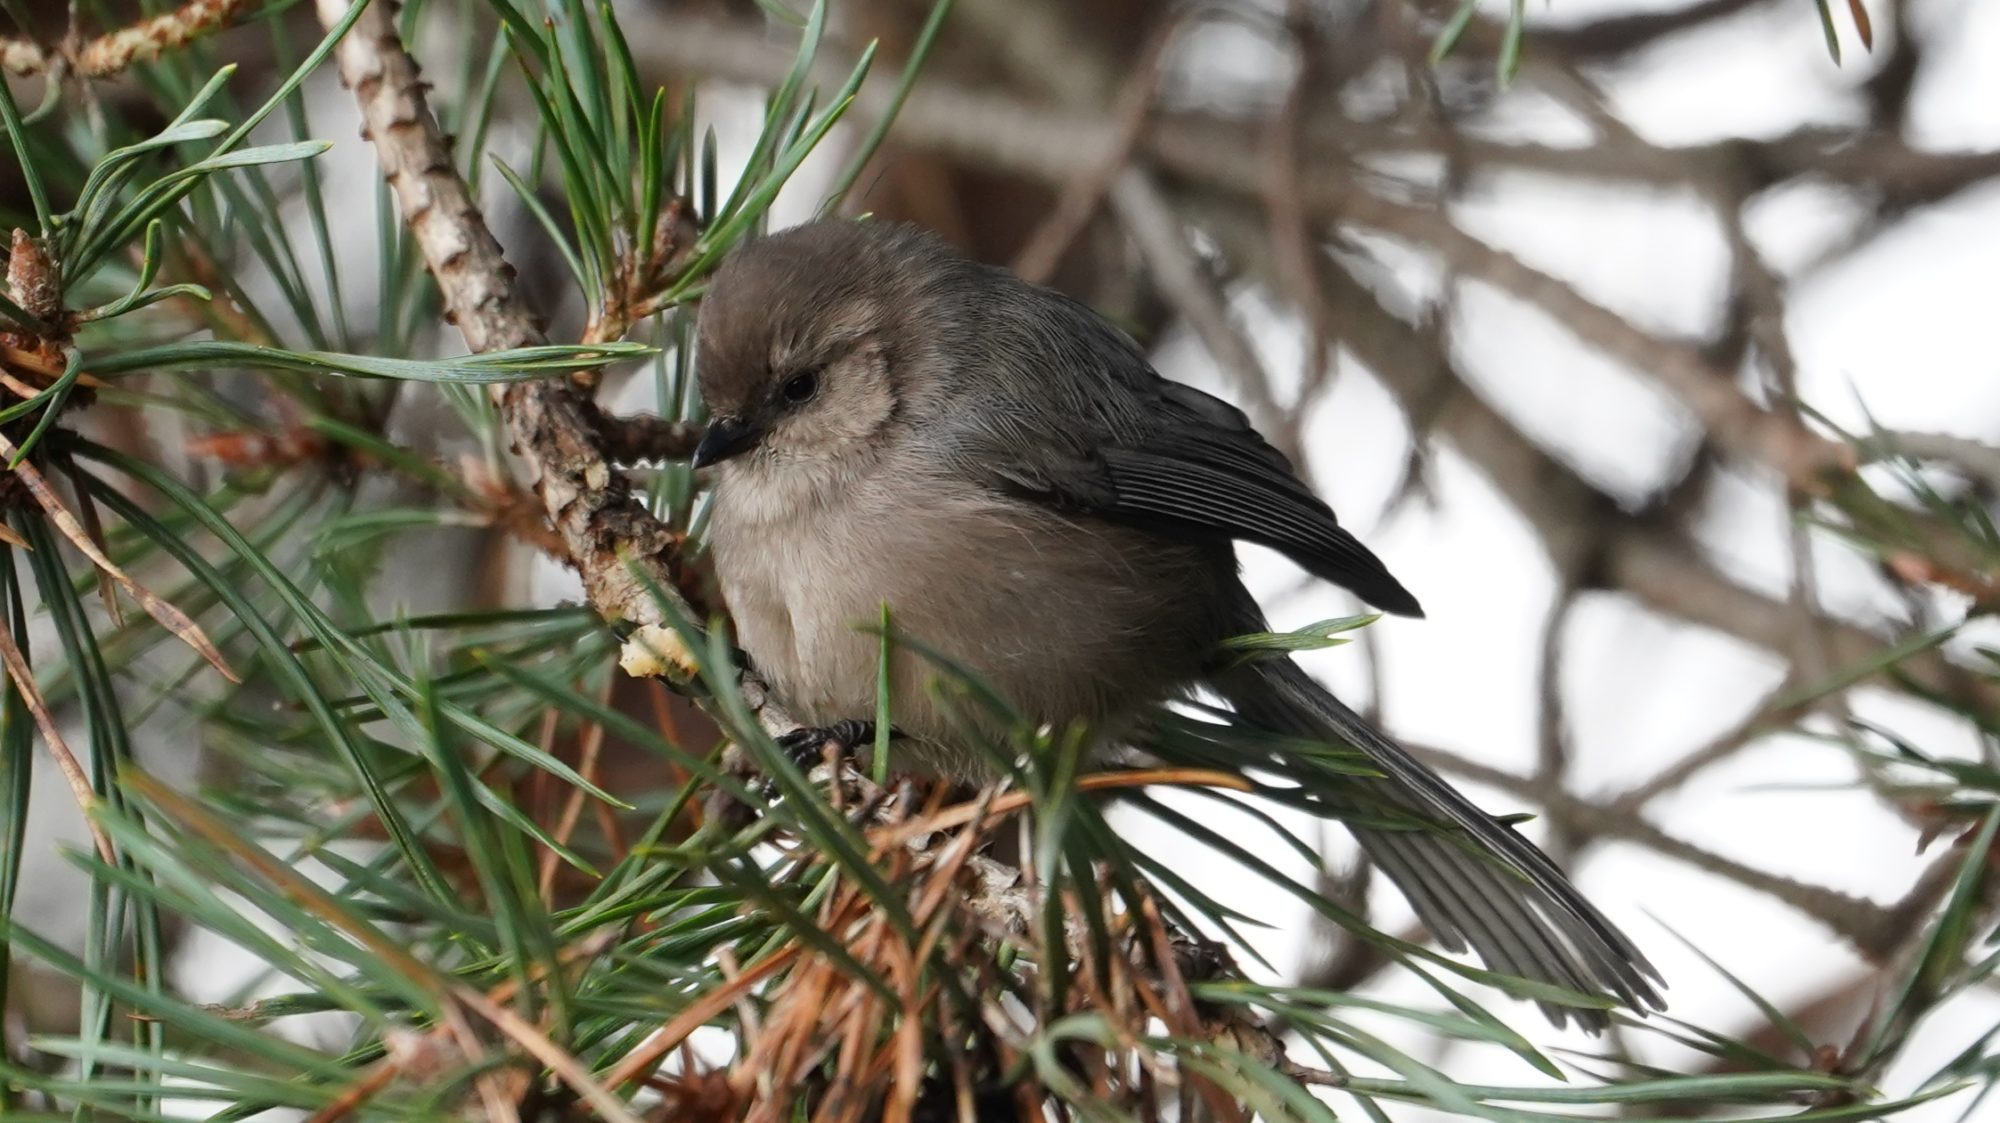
641, 1061
110, 54
591, 742
1977, 459
537, 1044
1082, 196
1293, 242
1162, 242
635, 440
1552, 755
1764, 717
1870, 927
179, 623
23, 675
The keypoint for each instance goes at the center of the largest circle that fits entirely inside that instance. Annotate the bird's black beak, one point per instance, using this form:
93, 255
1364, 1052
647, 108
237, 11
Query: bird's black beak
726, 437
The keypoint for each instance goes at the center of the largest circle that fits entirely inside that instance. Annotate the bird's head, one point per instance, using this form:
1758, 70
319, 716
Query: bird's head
808, 339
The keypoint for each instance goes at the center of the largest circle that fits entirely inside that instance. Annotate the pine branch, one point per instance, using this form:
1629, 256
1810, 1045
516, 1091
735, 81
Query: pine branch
110, 54
622, 553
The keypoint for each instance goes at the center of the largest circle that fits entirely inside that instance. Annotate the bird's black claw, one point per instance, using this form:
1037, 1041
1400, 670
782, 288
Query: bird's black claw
806, 746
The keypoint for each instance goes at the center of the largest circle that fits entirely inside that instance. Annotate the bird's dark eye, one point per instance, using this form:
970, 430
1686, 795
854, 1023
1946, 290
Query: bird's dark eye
801, 387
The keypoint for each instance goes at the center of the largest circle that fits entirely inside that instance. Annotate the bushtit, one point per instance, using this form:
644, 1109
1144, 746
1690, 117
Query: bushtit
893, 423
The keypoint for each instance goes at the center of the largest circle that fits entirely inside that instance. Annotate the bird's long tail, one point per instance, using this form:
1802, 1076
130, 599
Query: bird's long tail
1471, 878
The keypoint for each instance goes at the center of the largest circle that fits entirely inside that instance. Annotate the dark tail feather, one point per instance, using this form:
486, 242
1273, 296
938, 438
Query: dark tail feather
1474, 881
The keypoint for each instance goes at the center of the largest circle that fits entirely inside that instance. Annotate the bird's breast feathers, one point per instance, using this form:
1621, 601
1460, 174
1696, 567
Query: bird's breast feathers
1057, 614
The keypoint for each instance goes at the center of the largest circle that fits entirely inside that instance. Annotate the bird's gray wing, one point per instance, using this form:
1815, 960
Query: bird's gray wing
1193, 465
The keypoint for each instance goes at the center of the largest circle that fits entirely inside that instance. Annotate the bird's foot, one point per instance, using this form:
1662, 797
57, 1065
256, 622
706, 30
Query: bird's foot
808, 746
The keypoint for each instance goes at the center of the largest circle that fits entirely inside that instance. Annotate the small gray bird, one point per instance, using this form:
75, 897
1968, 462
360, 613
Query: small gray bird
893, 423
